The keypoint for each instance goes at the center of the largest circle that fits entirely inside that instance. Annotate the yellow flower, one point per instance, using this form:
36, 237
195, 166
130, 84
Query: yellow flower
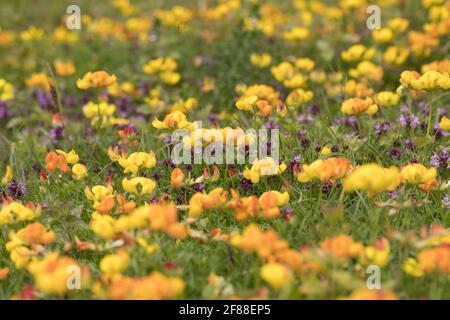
159, 65
79, 171
431, 80
387, 99
373, 179
325, 170
139, 185
367, 70
299, 97
114, 263
296, 34
202, 201
263, 167
149, 248
6, 90
51, 274
8, 175
382, 35
102, 112
261, 61
325, 151
357, 89
305, 64
64, 68
398, 25
270, 201
417, 173
32, 34
377, 254
358, 106
62, 35
357, 52
169, 77
98, 193
246, 103
16, 211
276, 274
174, 120
411, 267
444, 124
71, 157
21, 256
31, 234
406, 77
395, 55
430, 3
40, 80
103, 225
138, 160
96, 79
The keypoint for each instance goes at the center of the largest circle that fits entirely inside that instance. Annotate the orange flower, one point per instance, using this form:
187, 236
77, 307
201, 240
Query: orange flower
155, 286
270, 202
176, 178
165, 218
105, 206
54, 161
367, 294
96, 79
435, 259
35, 233
265, 109
342, 246
244, 207
325, 170
125, 206
4, 273
205, 201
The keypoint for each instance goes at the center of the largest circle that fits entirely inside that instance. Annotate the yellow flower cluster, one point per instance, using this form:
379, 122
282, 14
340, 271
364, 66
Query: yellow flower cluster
325, 170
15, 211
155, 286
165, 68
264, 167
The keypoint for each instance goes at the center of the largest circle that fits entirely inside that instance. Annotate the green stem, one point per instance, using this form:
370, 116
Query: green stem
430, 112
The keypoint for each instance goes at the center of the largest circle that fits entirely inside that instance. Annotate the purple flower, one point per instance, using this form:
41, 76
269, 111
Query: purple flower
17, 189
382, 128
3, 110
393, 194
441, 159
394, 153
301, 132
407, 120
409, 144
446, 201
305, 143
198, 187
56, 133
45, 100
213, 118
245, 184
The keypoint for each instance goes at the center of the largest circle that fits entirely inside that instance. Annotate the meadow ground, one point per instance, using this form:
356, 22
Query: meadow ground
356, 206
